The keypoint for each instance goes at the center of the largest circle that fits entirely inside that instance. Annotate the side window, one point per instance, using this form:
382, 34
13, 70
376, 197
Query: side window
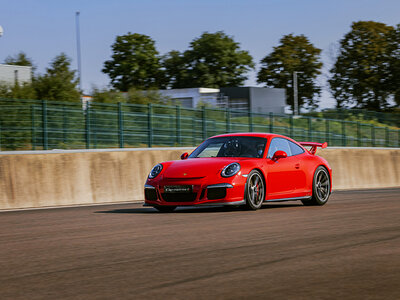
296, 149
278, 144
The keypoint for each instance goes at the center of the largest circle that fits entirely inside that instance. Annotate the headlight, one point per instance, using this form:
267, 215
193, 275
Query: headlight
230, 170
155, 171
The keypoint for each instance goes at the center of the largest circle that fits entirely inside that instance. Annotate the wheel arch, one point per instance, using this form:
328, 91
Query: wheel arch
328, 170
262, 174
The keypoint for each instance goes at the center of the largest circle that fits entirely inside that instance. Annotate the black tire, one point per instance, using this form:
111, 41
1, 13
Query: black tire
165, 209
321, 187
254, 191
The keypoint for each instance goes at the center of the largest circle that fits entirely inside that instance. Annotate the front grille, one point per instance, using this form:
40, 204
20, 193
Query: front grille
179, 197
150, 194
216, 193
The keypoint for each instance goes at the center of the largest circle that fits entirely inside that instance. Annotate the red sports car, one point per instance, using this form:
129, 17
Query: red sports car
241, 169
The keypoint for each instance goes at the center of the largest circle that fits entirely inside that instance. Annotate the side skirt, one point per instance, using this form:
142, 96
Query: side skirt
289, 199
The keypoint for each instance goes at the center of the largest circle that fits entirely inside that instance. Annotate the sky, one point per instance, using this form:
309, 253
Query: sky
45, 28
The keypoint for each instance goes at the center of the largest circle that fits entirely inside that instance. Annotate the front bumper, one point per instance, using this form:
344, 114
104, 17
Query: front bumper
230, 192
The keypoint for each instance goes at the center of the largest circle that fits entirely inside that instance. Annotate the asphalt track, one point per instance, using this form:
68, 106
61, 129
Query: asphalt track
347, 249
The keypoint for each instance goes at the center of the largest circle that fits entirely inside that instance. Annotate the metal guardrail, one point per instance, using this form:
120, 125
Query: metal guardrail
42, 125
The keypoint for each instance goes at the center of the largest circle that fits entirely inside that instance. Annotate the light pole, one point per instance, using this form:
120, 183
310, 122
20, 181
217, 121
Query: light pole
1, 31
78, 48
295, 93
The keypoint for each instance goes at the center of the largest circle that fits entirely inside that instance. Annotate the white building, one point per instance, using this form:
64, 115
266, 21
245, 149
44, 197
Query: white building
11, 74
256, 99
193, 97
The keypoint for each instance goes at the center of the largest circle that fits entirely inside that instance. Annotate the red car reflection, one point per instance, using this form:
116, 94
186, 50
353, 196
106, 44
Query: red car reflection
241, 169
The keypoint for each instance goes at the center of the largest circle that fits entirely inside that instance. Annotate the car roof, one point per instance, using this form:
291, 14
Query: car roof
255, 134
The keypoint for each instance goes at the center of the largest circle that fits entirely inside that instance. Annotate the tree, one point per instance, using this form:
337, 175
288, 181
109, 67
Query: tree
212, 60
360, 76
135, 63
294, 54
394, 64
107, 96
176, 75
21, 59
18, 90
59, 82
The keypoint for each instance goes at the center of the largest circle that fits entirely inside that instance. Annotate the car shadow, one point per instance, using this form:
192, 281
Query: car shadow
194, 209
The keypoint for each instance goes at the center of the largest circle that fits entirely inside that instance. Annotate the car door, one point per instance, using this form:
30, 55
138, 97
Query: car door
281, 174
300, 182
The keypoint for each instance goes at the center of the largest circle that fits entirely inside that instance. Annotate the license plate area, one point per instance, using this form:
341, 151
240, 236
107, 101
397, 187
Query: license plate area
178, 188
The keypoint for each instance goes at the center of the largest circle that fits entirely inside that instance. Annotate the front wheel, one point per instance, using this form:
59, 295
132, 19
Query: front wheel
165, 209
321, 187
254, 190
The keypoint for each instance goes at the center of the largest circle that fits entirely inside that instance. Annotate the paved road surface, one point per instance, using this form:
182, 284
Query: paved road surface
347, 249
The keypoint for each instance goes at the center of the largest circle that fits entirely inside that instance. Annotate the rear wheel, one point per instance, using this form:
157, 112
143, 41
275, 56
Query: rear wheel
254, 190
321, 187
165, 209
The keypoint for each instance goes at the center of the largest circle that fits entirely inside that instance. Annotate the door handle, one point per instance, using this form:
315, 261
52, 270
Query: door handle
297, 166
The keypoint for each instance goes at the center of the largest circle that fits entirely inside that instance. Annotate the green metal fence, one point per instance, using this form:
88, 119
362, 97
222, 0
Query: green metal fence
37, 125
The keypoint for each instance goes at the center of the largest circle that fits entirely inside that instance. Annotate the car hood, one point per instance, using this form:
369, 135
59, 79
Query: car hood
198, 167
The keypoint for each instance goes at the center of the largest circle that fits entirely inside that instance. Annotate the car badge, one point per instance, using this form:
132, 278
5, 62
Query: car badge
184, 174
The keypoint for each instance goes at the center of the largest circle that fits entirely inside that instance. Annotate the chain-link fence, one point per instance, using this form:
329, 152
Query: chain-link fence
36, 125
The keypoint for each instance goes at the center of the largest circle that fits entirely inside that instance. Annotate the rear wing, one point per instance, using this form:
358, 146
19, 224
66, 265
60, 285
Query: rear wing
314, 146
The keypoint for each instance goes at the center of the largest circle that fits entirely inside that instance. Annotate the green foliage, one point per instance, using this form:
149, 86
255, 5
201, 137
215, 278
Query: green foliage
21, 59
17, 91
145, 97
212, 60
107, 96
295, 53
361, 75
175, 67
135, 63
205, 104
59, 82
394, 63
133, 96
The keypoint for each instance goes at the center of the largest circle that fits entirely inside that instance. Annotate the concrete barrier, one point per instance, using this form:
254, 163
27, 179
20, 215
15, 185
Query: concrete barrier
49, 178
363, 168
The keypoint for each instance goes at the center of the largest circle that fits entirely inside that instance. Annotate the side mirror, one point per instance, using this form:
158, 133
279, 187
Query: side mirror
279, 154
184, 155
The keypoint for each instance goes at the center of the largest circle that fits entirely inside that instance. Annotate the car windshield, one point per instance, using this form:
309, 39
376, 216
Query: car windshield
231, 146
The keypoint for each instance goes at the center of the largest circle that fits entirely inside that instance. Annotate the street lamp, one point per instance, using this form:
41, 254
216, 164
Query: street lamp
78, 49
295, 95
1, 31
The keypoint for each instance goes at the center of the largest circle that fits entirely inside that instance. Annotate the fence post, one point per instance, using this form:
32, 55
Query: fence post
250, 121
228, 120
387, 142
178, 125
291, 126
120, 125
343, 133
94, 123
398, 138
327, 130
33, 132
309, 129
271, 122
150, 125
194, 130
87, 126
358, 134
204, 123
64, 125
373, 135
44, 125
